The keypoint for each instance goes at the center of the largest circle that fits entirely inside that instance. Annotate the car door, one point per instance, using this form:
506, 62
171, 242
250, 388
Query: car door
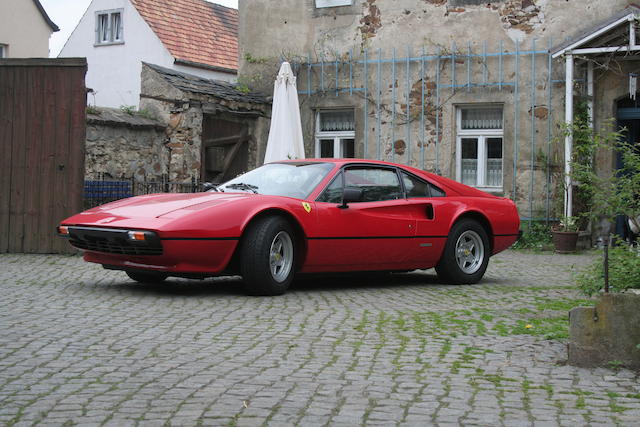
372, 234
432, 211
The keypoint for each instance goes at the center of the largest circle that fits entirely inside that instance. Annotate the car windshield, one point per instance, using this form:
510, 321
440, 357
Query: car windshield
280, 179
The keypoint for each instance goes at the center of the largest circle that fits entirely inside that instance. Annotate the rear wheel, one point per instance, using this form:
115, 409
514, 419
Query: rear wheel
466, 254
146, 277
267, 256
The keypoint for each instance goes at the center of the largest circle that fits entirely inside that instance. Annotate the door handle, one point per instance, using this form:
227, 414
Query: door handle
429, 211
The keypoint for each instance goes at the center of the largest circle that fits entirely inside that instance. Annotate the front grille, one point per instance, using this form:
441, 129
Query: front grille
113, 241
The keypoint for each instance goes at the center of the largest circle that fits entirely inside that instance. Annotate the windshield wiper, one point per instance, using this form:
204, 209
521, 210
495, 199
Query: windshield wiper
243, 186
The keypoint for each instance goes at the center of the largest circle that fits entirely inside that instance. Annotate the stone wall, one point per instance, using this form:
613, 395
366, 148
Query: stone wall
124, 144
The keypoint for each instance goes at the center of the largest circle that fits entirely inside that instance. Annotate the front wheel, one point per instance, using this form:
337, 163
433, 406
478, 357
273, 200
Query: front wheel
146, 277
466, 254
267, 256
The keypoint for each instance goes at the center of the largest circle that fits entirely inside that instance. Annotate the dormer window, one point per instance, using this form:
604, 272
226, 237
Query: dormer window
109, 27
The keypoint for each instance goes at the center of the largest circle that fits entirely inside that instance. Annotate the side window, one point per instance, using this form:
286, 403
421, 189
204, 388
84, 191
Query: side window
377, 184
436, 192
333, 192
415, 187
418, 188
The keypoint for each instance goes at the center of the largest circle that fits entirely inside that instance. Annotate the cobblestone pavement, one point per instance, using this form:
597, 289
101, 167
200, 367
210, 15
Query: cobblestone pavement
83, 345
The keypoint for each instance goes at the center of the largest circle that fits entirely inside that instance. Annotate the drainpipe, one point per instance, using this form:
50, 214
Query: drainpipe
590, 92
568, 142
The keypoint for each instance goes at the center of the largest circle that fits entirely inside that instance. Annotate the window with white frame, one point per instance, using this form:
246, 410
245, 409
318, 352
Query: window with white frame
335, 133
109, 28
332, 3
479, 146
3, 50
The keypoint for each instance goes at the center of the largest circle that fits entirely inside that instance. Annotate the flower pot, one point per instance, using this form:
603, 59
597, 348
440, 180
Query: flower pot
564, 242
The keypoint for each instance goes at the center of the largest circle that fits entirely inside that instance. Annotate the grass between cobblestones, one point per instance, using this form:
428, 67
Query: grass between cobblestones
79, 345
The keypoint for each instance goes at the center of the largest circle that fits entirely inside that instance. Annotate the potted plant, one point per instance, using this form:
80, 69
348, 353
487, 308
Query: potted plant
565, 235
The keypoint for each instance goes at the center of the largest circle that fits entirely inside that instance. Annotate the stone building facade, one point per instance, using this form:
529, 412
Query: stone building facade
470, 89
213, 128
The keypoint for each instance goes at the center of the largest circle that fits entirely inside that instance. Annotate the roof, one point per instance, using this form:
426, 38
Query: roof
117, 117
196, 32
199, 85
48, 20
592, 34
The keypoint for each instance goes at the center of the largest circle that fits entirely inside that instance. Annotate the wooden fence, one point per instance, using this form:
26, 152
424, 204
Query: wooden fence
42, 137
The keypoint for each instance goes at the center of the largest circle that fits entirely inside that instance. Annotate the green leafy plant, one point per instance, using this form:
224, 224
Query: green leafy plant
624, 271
608, 196
92, 110
128, 109
536, 235
253, 59
567, 224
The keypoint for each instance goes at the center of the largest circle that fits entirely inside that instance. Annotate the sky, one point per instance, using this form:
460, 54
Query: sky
66, 14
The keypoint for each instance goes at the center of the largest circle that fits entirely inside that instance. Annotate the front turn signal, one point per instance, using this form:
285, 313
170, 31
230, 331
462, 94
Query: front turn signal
137, 236
63, 230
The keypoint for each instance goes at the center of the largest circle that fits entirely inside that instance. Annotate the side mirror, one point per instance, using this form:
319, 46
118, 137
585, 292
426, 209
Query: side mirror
350, 195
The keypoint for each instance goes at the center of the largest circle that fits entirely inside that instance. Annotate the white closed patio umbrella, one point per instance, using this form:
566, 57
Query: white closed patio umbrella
285, 133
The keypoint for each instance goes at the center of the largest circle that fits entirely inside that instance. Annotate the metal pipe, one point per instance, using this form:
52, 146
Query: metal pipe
516, 133
568, 141
309, 75
437, 108
351, 72
606, 264
366, 106
337, 76
408, 125
393, 106
533, 125
484, 65
500, 72
321, 73
469, 67
453, 66
379, 83
422, 130
590, 92
549, 115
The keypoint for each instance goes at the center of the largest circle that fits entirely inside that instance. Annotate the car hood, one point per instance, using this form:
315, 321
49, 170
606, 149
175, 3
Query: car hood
159, 205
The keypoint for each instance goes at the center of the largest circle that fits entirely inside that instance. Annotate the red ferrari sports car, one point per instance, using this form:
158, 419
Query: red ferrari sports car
301, 216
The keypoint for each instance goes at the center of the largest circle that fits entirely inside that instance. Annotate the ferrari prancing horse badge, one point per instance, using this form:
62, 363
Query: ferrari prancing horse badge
306, 206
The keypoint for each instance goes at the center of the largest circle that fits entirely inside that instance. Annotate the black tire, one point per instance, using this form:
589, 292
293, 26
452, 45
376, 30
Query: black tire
146, 277
466, 254
264, 273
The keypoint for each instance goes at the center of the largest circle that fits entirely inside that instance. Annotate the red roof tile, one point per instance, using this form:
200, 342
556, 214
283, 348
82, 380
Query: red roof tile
194, 30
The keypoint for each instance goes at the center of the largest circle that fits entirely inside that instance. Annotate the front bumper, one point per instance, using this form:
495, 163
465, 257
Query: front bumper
111, 247
114, 241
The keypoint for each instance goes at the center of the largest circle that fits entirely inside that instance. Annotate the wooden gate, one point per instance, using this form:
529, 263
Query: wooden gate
42, 136
225, 149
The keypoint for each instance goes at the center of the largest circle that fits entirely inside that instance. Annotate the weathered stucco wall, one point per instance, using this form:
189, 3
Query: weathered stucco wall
533, 151
293, 29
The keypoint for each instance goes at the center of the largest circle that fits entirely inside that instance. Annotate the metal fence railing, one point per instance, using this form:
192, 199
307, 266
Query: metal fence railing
100, 191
